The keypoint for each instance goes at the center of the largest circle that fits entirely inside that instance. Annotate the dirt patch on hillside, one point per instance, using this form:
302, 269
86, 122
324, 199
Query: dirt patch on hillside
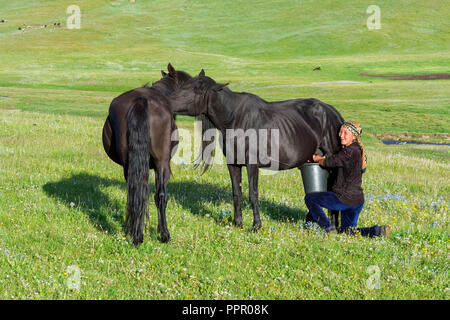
7, 107
427, 76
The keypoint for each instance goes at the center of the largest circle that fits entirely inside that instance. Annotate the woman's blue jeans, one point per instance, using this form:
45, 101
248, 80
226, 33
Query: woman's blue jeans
349, 214
318, 200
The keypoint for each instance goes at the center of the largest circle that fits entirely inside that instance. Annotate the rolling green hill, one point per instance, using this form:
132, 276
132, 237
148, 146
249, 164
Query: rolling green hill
267, 48
120, 42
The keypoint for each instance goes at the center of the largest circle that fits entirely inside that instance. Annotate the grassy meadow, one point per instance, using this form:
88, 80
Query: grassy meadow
62, 201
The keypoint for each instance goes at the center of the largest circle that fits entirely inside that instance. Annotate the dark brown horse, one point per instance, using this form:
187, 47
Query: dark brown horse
257, 134
138, 136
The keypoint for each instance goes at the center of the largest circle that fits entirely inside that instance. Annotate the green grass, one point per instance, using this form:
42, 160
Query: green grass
63, 204
62, 201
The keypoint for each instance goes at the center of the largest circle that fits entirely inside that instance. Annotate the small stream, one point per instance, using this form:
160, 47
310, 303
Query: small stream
394, 142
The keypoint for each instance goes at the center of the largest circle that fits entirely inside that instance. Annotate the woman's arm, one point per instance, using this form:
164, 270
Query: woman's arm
343, 158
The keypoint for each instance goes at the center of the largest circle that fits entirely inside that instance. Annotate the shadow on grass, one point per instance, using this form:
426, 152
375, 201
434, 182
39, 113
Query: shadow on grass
85, 192
192, 196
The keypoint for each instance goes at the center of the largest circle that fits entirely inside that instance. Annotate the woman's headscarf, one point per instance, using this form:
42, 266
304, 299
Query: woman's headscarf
356, 130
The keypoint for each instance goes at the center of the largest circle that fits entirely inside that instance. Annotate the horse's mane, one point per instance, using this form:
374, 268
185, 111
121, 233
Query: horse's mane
167, 83
205, 159
163, 85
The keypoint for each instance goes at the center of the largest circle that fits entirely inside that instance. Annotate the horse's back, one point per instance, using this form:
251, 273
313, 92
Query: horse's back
301, 124
115, 129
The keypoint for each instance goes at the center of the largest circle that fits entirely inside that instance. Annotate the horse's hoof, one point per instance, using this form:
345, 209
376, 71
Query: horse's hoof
256, 226
237, 224
165, 237
138, 240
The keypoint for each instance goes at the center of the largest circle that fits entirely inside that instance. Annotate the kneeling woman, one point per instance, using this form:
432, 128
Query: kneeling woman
347, 194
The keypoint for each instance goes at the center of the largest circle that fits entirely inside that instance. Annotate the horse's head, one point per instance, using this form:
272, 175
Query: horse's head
172, 80
193, 97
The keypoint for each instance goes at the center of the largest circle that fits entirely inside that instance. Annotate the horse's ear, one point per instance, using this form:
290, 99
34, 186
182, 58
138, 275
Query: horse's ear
202, 73
171, 69
219, 86
163, 73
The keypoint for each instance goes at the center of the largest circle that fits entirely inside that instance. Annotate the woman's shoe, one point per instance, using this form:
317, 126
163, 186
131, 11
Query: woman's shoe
385, 231
331, 229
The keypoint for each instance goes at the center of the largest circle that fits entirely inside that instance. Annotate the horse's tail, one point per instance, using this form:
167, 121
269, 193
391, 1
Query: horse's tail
138, 137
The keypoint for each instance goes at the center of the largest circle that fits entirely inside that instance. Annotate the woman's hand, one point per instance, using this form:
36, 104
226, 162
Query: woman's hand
316, 158
319, 159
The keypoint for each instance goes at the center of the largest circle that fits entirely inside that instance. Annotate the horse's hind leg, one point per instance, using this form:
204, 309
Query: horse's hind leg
333, 214
252, 172
162, 174
109, 142
236, 179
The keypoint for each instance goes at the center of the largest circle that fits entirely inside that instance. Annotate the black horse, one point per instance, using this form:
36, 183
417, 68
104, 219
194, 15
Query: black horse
255, 133
137, 134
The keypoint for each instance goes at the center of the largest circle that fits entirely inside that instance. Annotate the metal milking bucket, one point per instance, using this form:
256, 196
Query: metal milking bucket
314, 177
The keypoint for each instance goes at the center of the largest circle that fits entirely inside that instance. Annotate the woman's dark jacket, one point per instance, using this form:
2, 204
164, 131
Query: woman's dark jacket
347, 186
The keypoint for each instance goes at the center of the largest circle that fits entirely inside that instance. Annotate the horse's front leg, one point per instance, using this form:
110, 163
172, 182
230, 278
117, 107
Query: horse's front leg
252, 172
236, 180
